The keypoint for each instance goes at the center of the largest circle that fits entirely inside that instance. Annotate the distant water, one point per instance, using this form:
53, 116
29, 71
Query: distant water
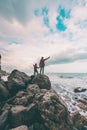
65, 83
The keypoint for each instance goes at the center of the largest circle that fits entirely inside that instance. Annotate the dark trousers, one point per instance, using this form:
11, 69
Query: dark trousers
35, 72
41, 70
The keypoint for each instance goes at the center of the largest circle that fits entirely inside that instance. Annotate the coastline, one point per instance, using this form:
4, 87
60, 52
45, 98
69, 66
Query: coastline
29, 95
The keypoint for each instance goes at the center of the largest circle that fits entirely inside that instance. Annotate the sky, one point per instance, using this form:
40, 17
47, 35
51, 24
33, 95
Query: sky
30, 29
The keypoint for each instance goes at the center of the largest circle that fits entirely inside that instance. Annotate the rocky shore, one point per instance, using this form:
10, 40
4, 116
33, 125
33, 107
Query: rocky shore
30, 103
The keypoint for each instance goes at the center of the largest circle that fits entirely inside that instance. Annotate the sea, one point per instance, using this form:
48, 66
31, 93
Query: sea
65, 83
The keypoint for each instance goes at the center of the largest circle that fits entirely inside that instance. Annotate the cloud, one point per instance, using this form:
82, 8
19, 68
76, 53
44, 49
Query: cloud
15, 10
32, 29
69, 56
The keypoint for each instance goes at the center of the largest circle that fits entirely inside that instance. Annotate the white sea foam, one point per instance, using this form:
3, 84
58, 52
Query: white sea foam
65, 83
5, 78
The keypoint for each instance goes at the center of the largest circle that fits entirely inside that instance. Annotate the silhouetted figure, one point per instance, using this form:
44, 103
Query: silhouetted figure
42, 64
35, 69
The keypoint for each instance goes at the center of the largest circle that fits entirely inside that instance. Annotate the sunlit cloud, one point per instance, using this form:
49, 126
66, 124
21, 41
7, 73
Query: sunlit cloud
30, 30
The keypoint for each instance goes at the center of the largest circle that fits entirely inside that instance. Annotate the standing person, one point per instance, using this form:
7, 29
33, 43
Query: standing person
42, 64
35, 69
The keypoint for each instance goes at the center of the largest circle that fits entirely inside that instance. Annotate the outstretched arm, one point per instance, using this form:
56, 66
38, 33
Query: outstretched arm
47, 58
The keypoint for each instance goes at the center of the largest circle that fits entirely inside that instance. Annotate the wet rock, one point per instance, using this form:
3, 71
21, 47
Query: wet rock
82, 100
42, 81
21, 101
4, 120
37, 106
79, 89
17, 81
32, 114
82, 103
20, 94
23, 127
4, 93
38, 126
78, 120
17, 116
53, 112
6, 107
33, 88
23, 115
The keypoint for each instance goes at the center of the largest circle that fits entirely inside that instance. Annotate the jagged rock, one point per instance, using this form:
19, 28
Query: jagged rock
20, 94
36, 105
82, 103
4, 93
38, 126
18, 115
53, 113
6, 107
42, 81
33, 88
17, 81
32, 114
79, 89
23, 115
78, 120
4, 120
23, 98
82, 100
23, 127
21, 101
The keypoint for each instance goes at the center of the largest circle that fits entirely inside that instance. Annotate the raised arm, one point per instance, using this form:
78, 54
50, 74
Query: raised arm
47, 58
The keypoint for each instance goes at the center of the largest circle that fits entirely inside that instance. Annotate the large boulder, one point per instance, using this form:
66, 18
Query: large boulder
38, 126
23, 115
79, 89
33, 88
17, 81
53, 112
17, 115
4, 93
42, 81
23, 127
79, 121
4, 120
82, 103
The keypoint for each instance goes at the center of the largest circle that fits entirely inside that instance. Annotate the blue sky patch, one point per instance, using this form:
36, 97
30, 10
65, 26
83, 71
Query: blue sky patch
46, 21
45, 11
64, 13
60, 25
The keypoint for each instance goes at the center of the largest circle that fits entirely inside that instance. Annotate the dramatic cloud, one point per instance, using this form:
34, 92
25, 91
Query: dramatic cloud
32, 29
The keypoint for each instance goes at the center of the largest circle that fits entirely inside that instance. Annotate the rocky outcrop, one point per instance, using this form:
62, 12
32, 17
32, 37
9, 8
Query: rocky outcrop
34, 105
82, 103
53, 113
4, 93
23, 127
18, 114
79, 121
4, 120
17, 81
42, 81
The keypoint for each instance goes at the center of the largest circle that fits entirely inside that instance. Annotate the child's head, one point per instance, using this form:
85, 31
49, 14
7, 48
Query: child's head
42, 57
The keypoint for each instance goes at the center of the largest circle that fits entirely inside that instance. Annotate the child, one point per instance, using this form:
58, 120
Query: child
35, 69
